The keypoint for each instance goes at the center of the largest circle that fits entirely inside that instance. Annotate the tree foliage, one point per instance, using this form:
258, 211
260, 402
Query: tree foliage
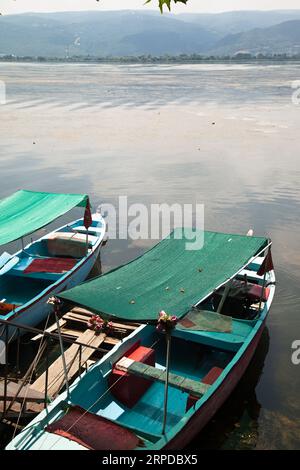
168, 3
161, 3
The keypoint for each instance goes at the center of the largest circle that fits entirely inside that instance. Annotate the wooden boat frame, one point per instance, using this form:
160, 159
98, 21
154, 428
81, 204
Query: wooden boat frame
197, 416
36, 309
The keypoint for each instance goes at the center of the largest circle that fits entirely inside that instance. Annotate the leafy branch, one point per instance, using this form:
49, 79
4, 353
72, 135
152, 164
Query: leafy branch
161, 3
168, 3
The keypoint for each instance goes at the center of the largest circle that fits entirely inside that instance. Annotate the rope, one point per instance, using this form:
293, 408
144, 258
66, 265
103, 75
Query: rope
33, 366
37, 357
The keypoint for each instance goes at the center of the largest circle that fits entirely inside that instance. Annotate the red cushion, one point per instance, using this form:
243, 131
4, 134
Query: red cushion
141, 354
209, 379
128, 352
255, 291
50, 265
130, 388
212, 375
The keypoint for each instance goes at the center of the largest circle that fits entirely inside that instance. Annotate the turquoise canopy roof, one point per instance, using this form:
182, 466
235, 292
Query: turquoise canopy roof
25, 212
168, 277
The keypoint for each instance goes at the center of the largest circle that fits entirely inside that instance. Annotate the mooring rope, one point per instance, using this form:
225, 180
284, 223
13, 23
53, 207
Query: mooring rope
33, 366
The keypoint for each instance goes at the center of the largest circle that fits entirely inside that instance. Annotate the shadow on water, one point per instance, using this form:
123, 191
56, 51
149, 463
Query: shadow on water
235, 425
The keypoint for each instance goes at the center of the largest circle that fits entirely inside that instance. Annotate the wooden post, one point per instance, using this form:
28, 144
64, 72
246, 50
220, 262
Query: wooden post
263, 285
6, 372
168, 339
62, 352
18, 352
87, 240
47, 370
262, 293
80, 356
26, 376
224, 296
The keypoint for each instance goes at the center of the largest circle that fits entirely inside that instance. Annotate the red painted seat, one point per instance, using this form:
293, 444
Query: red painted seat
142, 354
94, 432
241, 289
130, 388
212, 375
51, 265
209, 379
255, 291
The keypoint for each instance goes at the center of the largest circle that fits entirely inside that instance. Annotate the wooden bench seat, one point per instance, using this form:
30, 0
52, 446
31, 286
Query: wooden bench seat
68, 244
91, 229
184, 384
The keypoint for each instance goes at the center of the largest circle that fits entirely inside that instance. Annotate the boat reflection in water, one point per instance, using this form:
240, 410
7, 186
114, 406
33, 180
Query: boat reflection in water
236, 424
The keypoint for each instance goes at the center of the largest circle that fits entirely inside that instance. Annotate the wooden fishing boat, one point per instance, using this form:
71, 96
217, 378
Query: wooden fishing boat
57, 261
144, 395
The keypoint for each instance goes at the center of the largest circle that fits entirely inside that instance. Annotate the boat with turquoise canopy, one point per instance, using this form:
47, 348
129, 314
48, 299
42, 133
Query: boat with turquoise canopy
202, 314
58, 260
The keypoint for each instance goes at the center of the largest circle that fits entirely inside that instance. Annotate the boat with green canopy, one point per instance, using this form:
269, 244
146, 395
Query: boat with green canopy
58, 260
202, 313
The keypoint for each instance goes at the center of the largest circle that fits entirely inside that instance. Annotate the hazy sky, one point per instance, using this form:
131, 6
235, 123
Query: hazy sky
18, 6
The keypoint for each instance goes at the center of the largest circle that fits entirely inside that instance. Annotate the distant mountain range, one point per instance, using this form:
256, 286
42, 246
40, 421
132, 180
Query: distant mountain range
135, 33
232, 22
280, 39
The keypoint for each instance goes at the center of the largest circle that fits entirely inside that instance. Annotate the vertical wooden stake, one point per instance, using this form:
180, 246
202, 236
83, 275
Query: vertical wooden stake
62, 352
168, 339
5, 373
87, 241
47, 372
263, 285
224, 296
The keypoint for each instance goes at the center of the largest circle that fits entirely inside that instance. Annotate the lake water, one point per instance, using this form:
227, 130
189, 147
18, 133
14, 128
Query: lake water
226, 136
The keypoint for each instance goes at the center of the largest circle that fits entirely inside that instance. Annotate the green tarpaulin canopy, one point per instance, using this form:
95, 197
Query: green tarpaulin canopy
167, 277
27, 211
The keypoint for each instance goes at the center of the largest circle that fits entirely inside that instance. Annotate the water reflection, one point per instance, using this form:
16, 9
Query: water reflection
236, 425
223, 135
143, 85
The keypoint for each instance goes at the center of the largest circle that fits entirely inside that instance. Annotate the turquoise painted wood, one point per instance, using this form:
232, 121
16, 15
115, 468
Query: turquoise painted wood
28, 292
193, 355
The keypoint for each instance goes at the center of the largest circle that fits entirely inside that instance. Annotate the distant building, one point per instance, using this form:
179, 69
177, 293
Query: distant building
242, 55
6, 55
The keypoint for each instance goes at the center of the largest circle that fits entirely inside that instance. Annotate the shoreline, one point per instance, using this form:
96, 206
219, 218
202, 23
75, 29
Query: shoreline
152, 61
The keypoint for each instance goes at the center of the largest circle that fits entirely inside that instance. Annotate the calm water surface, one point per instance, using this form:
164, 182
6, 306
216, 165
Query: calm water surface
223, 135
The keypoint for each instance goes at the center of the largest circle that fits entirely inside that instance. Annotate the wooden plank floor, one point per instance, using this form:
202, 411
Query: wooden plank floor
56, 377
15, 411
73, 326
74, 322
26, 404
26, 393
